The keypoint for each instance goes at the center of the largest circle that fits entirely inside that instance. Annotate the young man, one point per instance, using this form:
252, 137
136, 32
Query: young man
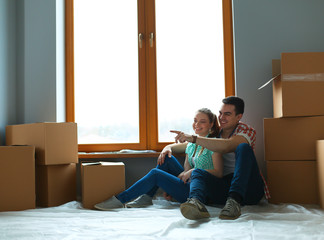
241, 182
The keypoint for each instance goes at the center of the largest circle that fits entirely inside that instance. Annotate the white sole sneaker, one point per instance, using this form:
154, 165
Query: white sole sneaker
194, 211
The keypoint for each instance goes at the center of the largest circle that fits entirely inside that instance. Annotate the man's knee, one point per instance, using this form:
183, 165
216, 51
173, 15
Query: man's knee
198, 173
244, 154
243, 148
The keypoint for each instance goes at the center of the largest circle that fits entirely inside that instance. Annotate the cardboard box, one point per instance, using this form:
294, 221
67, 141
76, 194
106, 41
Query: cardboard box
293, 182
320, 169
17, 178
292, 138
101, 181
298, 91
55, 184
55, 143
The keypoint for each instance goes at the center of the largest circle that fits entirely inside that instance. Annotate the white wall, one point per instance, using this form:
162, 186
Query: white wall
264, 29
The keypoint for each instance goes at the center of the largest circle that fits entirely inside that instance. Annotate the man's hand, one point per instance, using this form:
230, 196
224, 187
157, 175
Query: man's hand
182, 137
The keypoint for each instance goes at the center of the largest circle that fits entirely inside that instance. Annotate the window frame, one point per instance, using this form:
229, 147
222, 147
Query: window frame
148, 114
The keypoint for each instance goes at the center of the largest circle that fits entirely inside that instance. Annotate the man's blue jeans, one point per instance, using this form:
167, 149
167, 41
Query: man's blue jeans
245, 181
163, 176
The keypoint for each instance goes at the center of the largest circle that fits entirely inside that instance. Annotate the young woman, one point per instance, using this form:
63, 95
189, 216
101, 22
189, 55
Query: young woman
169, 174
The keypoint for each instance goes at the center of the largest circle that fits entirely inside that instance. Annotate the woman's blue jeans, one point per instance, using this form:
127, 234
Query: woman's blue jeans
163, 176
245, 181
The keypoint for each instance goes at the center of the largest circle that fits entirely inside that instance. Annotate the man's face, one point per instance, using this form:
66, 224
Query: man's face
227, 117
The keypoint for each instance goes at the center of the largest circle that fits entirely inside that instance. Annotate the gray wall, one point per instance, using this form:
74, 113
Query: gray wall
42, 60
263, 30
32, 56
31, 62
7, 65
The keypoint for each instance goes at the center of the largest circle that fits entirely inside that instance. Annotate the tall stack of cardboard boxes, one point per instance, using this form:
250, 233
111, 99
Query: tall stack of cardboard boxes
38, 168
290, 137
56, 156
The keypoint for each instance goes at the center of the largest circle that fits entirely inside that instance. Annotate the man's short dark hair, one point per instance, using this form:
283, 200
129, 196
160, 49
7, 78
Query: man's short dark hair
237, 102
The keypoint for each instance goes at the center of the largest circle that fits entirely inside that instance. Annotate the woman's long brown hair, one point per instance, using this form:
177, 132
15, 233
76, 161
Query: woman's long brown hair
214, 131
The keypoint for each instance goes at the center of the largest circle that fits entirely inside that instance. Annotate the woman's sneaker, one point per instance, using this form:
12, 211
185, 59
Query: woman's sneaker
140, 202
193, 209
111, 203
231, 210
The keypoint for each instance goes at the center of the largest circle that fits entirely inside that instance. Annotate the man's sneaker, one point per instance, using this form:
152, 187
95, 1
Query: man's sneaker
193, 209
109, 204
231, 210
142, 201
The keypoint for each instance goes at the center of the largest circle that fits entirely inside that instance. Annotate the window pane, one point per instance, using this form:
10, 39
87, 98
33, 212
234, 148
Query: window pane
190, 62
106, 71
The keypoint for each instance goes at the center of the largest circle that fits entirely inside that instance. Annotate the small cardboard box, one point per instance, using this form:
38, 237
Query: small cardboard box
101, 181
55, 184
292, 138
299, 90
17, 178
320, 169
55, 143
293, 182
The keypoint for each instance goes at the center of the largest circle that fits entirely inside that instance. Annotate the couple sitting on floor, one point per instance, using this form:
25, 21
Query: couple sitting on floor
219, 168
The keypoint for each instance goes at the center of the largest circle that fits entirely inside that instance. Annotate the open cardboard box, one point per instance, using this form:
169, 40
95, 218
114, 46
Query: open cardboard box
298, 84
101, 181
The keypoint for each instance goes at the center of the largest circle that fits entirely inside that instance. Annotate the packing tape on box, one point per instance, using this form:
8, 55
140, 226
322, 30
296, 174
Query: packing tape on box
296, 77
303, 77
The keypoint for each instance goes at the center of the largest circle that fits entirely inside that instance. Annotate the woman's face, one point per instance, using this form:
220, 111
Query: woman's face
201, 124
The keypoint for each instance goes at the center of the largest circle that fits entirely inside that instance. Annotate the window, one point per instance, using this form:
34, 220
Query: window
133, 73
